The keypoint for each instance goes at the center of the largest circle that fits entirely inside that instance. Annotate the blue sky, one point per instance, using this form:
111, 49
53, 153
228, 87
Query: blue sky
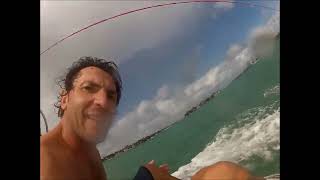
164, 64
169, 58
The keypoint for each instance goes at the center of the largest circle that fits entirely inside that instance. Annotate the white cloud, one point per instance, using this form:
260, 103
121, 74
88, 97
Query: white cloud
161, 111
118, 39
262, 38
163, 92
166, 108
234, 50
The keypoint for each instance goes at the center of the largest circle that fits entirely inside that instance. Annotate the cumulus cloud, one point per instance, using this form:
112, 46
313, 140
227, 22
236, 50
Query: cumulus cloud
233, 51
262, 38
163, 92
118, 39
166, 108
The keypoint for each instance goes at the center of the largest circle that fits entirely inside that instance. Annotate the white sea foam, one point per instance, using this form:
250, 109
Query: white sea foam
257, 134
271, 91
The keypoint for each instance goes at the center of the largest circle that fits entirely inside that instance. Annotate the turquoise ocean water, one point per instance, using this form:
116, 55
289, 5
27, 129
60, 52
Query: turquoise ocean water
241, 124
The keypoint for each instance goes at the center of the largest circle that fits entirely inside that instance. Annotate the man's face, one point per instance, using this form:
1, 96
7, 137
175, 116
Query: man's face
90, 106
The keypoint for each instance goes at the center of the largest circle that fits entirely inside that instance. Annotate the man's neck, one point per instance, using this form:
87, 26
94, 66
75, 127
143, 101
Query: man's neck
73, 140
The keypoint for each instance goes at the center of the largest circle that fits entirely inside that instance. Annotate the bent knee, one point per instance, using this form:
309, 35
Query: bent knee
222, 170
226, 165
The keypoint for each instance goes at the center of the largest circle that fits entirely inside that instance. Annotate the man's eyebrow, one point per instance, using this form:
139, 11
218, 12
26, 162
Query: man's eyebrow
92, 83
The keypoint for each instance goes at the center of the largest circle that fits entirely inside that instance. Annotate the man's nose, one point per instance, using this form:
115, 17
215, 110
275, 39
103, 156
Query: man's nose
101, 99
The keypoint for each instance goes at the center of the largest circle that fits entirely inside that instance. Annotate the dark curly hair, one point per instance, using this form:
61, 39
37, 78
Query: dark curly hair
66, 82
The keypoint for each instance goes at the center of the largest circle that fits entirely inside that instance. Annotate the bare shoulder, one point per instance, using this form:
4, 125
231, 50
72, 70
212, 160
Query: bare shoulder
45, 144
48, 144
49, 163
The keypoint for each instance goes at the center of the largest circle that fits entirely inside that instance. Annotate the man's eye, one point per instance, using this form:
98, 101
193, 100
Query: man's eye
88, 88
112, 97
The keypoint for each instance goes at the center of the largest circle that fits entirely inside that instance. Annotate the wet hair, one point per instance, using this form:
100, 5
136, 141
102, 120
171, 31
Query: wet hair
66, 82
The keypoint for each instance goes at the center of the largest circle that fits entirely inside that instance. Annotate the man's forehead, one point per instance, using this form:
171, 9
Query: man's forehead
94, 74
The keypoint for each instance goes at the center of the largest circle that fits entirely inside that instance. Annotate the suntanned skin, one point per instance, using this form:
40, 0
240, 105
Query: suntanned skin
222, 170
69, 150
60, 161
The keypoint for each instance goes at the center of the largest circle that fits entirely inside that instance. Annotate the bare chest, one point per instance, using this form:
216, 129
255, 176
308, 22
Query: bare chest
77, 168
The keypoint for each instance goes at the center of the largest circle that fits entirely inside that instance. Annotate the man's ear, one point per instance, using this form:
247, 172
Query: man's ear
64, 99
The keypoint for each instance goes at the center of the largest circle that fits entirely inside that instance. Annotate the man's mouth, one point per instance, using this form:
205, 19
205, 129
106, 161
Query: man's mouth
98, 116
